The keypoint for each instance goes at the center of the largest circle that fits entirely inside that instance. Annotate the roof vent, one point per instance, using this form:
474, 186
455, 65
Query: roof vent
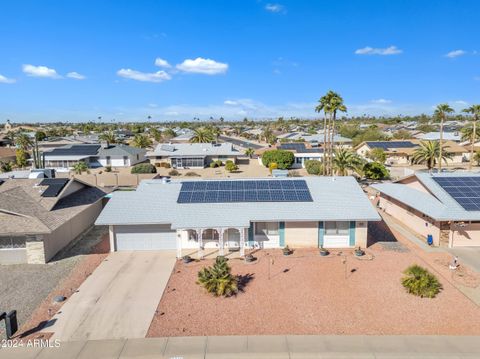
165, 180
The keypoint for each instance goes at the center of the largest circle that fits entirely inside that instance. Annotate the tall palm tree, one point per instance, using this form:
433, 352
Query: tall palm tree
202, 135
345, 160
142, 141
23, 141
249, 152
336, 105
429, 153
474, 110
442, 112
323, 105
108, 136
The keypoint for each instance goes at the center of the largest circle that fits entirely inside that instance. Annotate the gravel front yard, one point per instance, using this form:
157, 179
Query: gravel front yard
309, 294
25, 287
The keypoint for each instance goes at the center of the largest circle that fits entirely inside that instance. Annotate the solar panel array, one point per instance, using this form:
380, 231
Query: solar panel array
54, 186
299, 148
75, 150
465, 190
385, 145
244, 191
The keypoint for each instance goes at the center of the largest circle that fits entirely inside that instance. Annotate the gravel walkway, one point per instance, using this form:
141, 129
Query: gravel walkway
309, 294
25, 286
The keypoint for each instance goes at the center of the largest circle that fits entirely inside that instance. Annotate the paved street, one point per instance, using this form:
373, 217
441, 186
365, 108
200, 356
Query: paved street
118, 300
251, 347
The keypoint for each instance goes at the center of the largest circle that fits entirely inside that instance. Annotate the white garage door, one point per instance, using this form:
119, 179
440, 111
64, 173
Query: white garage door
336, 241
138, 238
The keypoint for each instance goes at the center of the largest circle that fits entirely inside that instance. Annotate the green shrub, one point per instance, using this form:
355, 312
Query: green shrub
421, 282
294, 174
230, 166
217, 279
108, 168
191, 174
283, 159
219, 163
174, 173
375, 171
314, 167
213, 164
143, 168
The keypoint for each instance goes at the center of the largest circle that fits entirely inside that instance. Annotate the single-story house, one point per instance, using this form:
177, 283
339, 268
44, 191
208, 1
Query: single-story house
193, 155
400, 152
302, 153
234, 214
55, 142
94, 155
318, 138
39, 217
443, 205
435, 136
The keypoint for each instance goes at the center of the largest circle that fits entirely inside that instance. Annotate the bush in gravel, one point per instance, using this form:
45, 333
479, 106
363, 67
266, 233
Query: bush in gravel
314, 167
192, 174
421, 282
143, 168
217, 279
174, 173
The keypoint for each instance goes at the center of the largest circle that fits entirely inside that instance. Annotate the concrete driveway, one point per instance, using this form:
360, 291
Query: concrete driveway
467, 255
118, 300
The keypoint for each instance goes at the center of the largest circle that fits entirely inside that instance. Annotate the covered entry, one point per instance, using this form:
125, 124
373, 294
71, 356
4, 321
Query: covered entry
147, 237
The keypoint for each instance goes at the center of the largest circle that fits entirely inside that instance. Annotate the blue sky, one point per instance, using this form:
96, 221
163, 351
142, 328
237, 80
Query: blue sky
175, 60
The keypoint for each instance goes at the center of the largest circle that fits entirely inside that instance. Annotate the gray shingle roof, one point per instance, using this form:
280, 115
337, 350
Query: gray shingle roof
338, 198
438, 205
120, 151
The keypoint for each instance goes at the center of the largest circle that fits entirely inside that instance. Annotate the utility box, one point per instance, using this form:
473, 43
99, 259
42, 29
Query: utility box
11, 323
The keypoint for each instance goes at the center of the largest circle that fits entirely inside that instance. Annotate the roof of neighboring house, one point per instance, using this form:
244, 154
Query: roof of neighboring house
452, 136
120, 150
194, 149
437, 204
334, 198
407, 147
319, 137
23, 209
76, 151
299, 148
6, 152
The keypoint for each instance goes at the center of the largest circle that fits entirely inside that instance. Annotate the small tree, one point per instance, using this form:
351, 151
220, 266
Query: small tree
21, 157
375, 171
314, 167
143, 168
249, 152
80, 167
230, 166
476, 157
217, 279
377, 155
283, 159
421, 282
6, 166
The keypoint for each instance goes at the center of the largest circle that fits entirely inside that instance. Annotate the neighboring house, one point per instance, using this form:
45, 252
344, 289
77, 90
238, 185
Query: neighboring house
445, 206
39, 217
5, 141
184, 135
94, 155
332, 212
54, 142
318, 138
7, 154
302, 153
193, 155
435, 136
400, 152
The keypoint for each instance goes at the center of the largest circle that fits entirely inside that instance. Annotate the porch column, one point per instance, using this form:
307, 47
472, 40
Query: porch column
221, 245
200, 242
179, 244
242, 241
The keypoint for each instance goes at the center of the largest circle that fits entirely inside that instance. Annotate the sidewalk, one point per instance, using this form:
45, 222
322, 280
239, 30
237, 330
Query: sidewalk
288, 347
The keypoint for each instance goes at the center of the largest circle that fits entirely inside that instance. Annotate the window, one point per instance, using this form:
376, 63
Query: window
268, 228
12, 242
337, 228
108, 161
125, 160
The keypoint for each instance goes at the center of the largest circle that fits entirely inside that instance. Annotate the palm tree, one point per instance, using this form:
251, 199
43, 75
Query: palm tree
249, 152
22, 141
202, 135
345, 160
429, 153
267, 134
142, 141
108, 136
475, 111
323, 106
442, 112
80, 167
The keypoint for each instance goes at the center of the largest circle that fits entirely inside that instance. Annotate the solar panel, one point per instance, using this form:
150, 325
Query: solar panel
244, 191
464, 190
54, 186
74, 150
385, 145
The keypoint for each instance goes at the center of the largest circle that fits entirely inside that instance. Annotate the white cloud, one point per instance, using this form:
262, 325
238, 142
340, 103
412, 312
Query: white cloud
275, 8
40, 71
75, 75
391, 50
455, 53
162, 63
6, 80
230, 103
203, 66
460, 102
381, 101
158, 76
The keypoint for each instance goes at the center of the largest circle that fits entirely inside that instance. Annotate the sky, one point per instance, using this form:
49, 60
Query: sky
178, 60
